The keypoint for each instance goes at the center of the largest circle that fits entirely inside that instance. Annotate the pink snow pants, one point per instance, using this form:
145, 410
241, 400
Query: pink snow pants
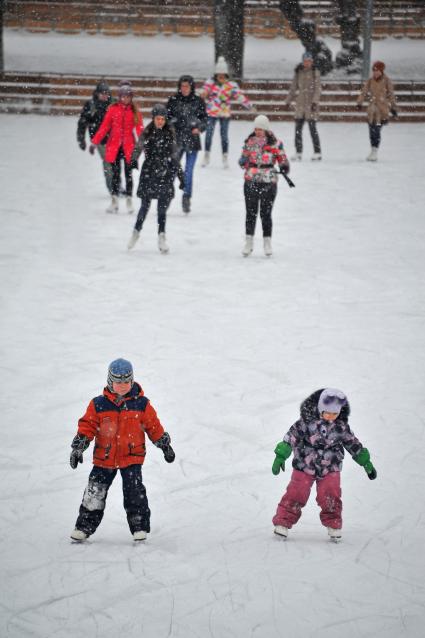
296, 496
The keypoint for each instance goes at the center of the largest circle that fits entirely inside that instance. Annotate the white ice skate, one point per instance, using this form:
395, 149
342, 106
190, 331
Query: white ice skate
129, 204
373, 155
162, 244
316, 156
140, 536
297, 157
78, 535
268, 247
225, 160
249, 246
335, 535
281, 531
113, 206
206, 159
133, 239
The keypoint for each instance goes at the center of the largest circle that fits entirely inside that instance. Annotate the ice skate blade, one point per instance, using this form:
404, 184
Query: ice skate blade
281, 532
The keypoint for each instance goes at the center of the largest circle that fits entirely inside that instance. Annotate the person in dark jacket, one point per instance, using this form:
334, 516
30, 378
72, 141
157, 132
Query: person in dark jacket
318, 440
188, 115
90, 119
159, 170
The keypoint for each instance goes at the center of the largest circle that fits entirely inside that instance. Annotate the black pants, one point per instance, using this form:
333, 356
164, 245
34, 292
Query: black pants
94, 499
259, 196
116, 176
164, 202
299, 135
375, 134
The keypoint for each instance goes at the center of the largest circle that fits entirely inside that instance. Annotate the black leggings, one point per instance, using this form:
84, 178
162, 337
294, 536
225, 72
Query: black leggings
116, 176
375, 134
299, 135
164, 202
259, 196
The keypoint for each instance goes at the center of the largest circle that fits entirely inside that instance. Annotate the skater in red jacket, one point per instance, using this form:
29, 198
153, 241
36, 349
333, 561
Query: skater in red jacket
117, 421
123, 124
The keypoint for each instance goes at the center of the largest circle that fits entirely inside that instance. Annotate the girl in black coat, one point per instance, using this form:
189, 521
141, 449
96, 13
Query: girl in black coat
158, 172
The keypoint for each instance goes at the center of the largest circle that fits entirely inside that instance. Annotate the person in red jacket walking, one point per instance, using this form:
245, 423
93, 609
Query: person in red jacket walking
123, 124
117, 420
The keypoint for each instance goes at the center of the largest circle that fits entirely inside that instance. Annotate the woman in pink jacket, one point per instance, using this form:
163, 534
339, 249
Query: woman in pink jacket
123, 125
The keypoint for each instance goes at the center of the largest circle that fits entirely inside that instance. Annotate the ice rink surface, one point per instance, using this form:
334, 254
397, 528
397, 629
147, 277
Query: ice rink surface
226, 349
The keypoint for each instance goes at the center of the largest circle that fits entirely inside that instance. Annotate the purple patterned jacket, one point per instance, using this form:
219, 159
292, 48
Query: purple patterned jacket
318, 445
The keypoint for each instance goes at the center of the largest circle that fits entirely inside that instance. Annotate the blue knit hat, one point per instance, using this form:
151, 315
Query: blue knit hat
120, 371
331, 400
307, 55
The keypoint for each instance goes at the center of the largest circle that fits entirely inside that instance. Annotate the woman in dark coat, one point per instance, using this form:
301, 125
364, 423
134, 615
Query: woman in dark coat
159, 170
188, 116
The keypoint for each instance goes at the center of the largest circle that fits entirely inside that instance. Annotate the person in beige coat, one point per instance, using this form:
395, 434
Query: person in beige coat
379, 91
306, 89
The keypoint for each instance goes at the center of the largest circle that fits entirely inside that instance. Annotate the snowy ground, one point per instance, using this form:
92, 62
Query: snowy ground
226, 348
170, 56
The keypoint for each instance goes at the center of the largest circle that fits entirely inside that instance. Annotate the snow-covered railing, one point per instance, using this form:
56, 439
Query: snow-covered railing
56, 94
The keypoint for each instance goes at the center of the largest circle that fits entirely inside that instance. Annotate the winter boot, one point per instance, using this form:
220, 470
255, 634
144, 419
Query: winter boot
297, 157
113, 206
206, 159
140, 536
79, 536
133, 239
186, 203
249, 245
129, 204
162, 244
281, 531
316, 156
334, 534
373, 155
225, 160
268, 246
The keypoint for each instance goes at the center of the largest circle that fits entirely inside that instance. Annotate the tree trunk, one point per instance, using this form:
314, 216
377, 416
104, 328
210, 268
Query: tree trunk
1, 36
229, 34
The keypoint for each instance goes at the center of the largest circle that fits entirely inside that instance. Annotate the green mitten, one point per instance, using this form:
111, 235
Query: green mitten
363, 459
283, 451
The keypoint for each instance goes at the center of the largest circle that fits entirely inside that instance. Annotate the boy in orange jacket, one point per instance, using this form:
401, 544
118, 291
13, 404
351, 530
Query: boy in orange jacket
117, 420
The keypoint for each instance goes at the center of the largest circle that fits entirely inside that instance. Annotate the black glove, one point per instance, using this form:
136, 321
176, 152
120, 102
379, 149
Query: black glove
359, 106
372, 474
92, 149
82, 144
394, 112
79, 444
134, 165
384, 122
314, 107
284, 169
181, 182
164, 443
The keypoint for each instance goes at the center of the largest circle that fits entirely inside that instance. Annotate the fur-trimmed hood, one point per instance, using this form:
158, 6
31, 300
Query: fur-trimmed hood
309, 411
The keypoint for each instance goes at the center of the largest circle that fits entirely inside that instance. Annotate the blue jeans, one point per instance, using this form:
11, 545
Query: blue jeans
224, 132
188, 170
94, 500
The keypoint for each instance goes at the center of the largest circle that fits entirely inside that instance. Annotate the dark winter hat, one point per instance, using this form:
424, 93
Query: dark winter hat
103, 87
159, 109
307, 55
120, 371
125, 88
186, 78
331, 400
378, 66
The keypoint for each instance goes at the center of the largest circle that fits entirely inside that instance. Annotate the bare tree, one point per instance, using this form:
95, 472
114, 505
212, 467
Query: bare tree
1, 36
229, 34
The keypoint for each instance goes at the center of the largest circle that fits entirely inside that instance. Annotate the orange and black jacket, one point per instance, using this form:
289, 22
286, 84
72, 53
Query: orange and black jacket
118, 425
